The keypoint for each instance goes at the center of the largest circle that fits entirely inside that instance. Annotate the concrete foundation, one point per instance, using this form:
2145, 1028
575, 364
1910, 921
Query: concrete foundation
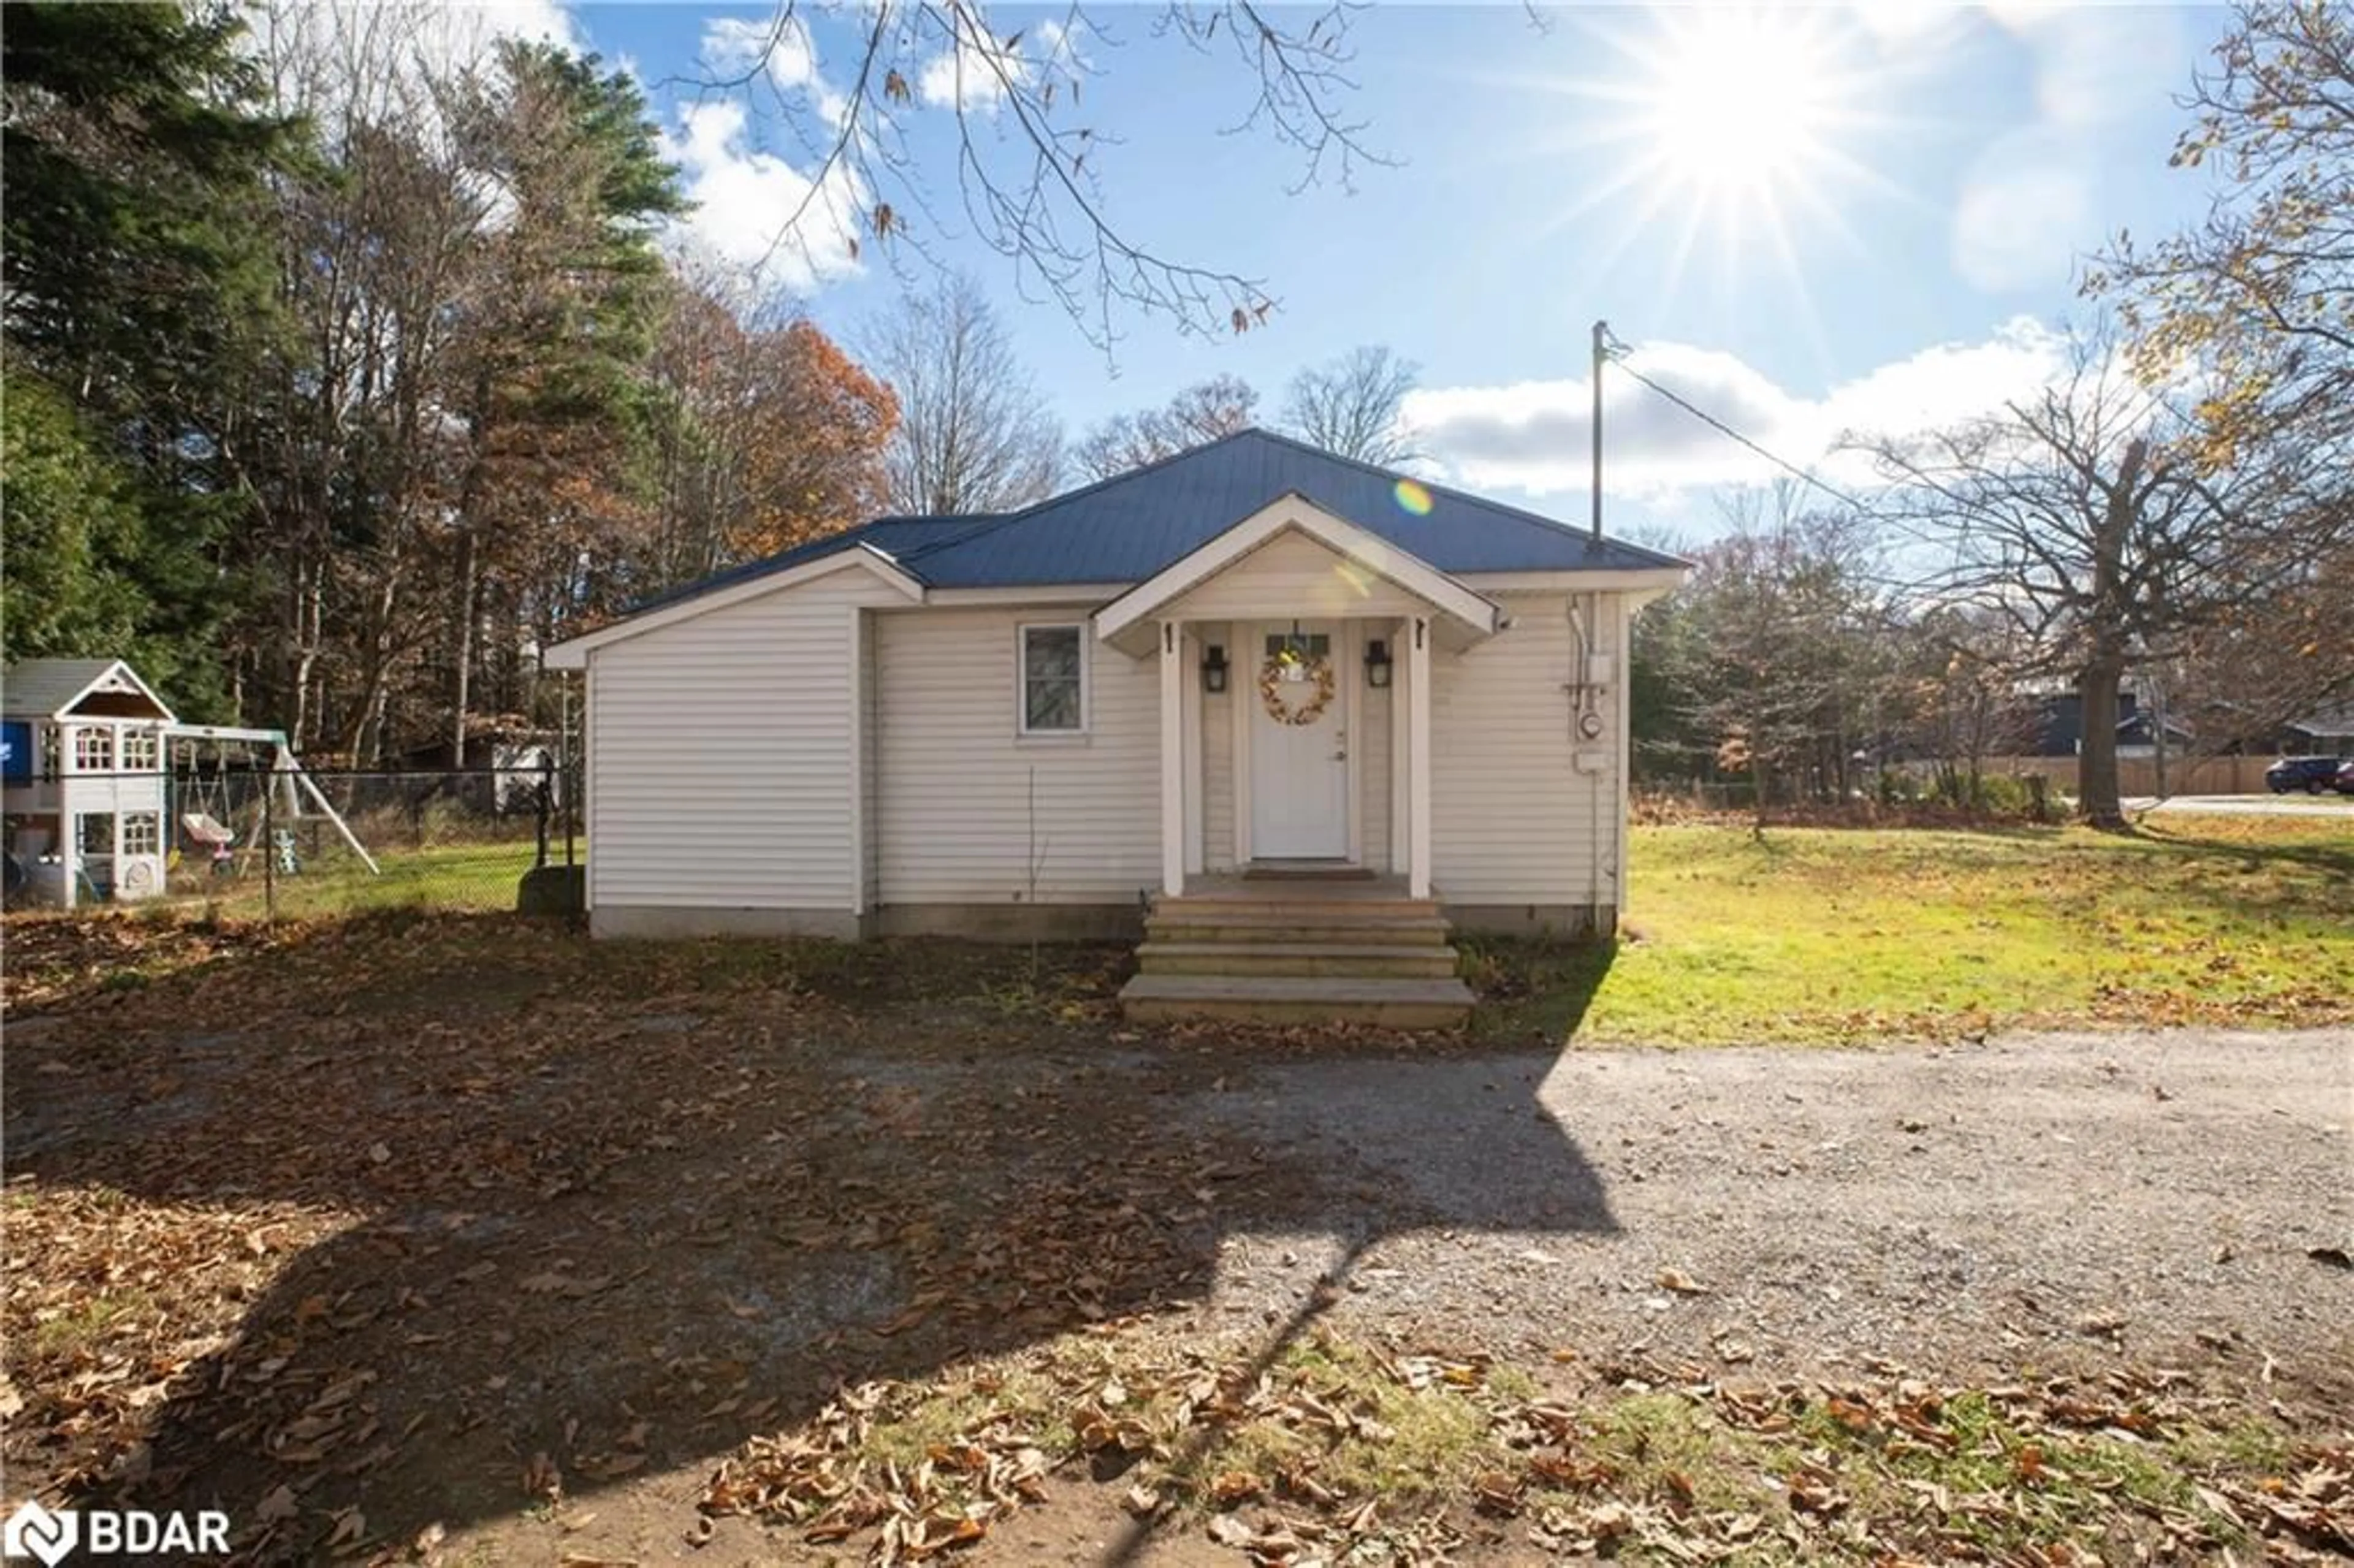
661, 922
1036, 922
1011, 922
1558, 922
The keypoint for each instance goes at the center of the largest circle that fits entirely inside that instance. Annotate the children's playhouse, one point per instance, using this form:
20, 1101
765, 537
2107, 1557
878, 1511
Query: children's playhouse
92, 799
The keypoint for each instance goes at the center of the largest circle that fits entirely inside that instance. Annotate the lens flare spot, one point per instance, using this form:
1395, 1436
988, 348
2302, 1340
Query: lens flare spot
1413, 498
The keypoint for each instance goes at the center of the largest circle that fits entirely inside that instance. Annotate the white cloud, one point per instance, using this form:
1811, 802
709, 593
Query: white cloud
376, 61
1535, 435
746, 200
783, 49
780, 46
975, 73
971, 76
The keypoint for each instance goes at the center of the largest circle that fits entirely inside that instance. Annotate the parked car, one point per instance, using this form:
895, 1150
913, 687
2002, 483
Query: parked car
2311, 774
2346, 777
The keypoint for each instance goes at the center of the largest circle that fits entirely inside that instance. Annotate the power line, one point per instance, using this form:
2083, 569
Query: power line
1711, 420
1618, 350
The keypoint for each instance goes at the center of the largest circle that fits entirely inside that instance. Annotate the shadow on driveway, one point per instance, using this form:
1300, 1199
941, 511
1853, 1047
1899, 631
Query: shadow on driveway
610, 1209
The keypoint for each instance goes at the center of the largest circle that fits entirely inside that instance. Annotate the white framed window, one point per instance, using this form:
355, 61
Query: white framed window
143, 833
94, 832
1052, 662
93, 749
139, 751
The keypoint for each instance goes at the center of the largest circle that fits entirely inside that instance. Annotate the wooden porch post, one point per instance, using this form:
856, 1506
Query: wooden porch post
1173, 761
1418, 751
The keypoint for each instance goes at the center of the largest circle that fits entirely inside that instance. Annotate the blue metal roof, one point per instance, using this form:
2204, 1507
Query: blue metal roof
892, 536
1125, 529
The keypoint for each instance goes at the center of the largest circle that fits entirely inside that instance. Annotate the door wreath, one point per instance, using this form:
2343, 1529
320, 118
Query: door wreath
1273, 677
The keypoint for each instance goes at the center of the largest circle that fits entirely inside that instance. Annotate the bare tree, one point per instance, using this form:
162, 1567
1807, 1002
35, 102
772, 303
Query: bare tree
1354, 406
1200, 414
1955, 696
974, 433
1778, 655
2084, 520
1027, 172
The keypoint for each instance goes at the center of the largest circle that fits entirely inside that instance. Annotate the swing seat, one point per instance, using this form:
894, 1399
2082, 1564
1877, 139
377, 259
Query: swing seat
203, 828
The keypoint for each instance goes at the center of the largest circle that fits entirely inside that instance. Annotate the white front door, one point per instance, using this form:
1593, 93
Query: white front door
1299, 759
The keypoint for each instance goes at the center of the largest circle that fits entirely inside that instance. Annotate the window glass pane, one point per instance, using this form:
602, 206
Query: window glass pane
97, 832
1053, 707
138, 752
94, 750
1050, 677
140, 833
1312, 644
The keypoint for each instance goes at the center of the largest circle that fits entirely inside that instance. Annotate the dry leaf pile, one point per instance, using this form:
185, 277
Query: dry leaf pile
1271, 1461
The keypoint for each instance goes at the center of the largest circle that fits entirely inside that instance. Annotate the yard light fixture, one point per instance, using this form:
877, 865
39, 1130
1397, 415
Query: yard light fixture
1214, 669
1377, 664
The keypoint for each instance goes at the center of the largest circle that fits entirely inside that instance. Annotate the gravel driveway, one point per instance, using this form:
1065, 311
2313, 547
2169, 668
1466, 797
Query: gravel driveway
1979, 1210
638, 1216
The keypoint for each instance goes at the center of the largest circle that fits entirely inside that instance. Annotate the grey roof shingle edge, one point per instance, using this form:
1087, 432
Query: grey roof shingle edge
1125, 528
40, 688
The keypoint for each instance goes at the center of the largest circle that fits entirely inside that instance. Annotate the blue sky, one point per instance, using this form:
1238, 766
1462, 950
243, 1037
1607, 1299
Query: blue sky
1809, 221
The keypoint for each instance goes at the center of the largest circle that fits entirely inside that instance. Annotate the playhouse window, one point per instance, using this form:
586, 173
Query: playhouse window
143, 833
93, 750
138, 752
94, 832
1054, 680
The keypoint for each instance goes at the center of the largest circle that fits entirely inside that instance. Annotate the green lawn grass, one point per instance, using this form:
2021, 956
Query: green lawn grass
473, 876
1831, 934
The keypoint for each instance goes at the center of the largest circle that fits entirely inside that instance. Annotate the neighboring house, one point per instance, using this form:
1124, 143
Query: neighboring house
2321, 733
2138, 734
1182, 688
2059, 727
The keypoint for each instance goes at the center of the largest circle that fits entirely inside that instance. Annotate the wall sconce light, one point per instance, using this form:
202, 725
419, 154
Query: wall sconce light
1377, 663
1214, 669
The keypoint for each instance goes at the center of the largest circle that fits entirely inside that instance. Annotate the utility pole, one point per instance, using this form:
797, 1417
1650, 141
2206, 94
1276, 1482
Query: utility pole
1601, 352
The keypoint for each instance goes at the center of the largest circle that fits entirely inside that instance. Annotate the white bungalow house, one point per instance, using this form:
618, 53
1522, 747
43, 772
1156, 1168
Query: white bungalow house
82, 779
1293, 715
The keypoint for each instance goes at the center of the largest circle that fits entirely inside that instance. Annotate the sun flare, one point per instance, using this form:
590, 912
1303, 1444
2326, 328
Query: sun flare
1729, 138
1739, 102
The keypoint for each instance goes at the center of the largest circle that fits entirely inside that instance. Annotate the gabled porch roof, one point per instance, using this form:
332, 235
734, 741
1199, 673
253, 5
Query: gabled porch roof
1126, 621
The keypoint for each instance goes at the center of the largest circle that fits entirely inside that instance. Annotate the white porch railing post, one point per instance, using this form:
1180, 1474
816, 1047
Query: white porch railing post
1172, 760
1417, 749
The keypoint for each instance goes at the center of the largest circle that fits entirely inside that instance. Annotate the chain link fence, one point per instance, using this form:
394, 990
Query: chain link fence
255, 842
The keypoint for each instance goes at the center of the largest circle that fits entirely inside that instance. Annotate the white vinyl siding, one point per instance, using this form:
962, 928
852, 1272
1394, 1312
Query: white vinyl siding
956, 819
1291, 576
1512, 821
722, 768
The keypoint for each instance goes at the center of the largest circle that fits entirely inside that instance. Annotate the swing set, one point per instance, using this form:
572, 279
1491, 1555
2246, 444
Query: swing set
207, 815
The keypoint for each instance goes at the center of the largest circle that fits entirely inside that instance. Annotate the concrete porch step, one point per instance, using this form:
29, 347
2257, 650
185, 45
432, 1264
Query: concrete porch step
1364, 955
1392, 1003
1299, 903
1388, 931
